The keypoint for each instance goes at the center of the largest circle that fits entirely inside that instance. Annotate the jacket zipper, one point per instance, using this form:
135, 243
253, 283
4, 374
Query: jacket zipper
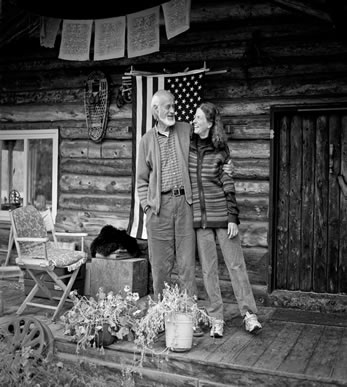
200, 157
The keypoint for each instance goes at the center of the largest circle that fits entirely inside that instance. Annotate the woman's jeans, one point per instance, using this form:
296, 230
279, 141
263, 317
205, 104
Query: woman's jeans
235, 262
171, 237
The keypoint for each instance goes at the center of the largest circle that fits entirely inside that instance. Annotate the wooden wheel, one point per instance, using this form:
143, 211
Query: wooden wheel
25, 332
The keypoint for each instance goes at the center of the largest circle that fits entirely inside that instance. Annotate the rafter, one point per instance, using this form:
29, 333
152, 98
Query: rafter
306, 8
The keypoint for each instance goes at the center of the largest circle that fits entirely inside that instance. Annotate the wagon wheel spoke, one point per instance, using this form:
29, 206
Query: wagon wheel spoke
26, 332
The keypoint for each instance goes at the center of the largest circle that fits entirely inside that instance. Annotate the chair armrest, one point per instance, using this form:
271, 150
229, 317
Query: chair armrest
72, 234
42, 240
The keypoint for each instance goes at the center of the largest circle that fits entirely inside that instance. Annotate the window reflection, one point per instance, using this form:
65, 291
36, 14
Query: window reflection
40, 176
12, 173
26, 172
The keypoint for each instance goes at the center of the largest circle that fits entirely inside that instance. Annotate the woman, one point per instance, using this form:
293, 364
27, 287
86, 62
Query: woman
216, 216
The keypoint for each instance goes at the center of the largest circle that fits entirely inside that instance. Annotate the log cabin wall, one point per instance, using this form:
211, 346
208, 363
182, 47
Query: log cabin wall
263, 54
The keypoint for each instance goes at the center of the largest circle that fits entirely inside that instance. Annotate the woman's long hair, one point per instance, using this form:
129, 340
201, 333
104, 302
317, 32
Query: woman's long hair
217, 134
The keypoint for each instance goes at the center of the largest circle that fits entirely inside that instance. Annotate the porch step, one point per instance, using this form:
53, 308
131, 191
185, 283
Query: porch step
172, 369
10, 272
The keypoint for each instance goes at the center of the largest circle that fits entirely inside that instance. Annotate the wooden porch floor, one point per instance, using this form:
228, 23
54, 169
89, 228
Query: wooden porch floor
294, 348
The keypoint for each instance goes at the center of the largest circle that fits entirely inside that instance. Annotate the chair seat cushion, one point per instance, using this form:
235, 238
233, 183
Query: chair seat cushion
65, 258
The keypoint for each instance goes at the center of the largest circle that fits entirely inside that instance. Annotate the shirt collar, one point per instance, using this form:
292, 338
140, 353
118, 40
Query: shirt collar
166, 133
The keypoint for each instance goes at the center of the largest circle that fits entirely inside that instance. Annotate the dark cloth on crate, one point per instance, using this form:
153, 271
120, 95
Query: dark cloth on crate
111, 239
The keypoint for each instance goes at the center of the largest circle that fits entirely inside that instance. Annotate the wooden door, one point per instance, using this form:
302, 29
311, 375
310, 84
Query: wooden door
308, 233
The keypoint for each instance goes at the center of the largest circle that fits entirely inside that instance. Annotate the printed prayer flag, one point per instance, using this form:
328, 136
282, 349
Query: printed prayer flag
176, 16
143, 32
109, 38
75, 39
188, 91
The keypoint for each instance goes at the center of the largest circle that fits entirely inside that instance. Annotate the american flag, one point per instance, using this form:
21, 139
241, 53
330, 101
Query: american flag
187, 88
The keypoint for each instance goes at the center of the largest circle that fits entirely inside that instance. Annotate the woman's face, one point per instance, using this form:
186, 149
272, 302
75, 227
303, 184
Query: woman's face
201, 125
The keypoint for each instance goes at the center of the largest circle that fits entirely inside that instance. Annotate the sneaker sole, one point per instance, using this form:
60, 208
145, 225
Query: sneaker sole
255, 331
198, 334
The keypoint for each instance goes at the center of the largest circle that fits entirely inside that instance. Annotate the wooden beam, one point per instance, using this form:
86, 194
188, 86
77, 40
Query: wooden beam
304, 8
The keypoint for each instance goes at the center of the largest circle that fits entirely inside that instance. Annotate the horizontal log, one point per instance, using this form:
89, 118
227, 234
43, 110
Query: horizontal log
254, 234
88, 149
263, 105
59, 79
307, 85
247, 127
102, 167
95, 184
53, 112
117, 204
249, 149
240, 10
253, 208
116, 130
268, 33
89, 221
251, 187
53, 96
252, 169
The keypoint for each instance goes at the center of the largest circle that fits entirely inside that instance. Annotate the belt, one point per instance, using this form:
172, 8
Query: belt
175, 191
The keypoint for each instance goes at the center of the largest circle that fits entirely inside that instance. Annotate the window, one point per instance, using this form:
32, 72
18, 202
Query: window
29, 169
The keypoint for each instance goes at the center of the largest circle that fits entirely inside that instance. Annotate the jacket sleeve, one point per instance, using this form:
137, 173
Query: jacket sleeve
233, 210
229, 190
226, 179
142, 174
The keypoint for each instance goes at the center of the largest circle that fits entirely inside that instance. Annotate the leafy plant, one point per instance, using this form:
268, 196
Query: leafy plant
90, 318
173, 300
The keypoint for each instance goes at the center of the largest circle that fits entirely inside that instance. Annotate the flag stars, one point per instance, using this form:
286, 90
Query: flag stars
188, 94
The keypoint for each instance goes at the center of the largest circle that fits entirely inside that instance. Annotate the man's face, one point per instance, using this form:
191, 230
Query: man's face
166, 111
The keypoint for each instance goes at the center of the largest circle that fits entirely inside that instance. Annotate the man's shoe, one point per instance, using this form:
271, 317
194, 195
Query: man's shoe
217, 328
197, 331
252, 325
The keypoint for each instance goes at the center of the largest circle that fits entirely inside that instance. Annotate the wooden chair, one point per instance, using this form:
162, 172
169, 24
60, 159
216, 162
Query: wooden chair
39, 257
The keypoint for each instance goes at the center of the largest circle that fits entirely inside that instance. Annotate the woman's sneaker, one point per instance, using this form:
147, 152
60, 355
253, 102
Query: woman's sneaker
252, 325
217, 328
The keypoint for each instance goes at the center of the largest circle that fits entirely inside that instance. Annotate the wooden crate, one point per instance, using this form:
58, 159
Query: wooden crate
113, 274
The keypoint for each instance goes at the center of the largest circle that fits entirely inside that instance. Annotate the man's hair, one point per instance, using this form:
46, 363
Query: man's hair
156, 99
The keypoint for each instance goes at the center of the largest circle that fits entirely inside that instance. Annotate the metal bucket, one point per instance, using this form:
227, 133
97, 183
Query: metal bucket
179, 332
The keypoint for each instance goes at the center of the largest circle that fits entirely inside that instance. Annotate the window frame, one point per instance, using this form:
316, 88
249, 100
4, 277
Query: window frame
35, 134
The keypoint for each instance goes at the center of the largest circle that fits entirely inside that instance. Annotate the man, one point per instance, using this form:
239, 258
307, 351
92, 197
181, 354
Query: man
165, 194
